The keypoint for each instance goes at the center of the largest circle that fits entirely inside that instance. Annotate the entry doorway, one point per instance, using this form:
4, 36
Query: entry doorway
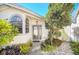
37, 32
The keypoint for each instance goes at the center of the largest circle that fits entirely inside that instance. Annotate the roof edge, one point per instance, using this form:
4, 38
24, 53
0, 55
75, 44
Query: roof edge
22, 8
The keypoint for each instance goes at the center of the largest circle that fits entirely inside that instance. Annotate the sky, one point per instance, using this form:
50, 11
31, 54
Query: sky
76, 6
42, 8
39, 8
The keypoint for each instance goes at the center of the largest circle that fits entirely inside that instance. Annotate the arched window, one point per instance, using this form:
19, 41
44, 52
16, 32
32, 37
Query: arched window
27, 25
17, 21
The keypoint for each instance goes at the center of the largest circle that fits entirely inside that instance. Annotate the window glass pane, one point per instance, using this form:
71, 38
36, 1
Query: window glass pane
27, 25
17, 21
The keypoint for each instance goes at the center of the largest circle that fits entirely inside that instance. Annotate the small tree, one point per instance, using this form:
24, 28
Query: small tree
7, 32
58, 16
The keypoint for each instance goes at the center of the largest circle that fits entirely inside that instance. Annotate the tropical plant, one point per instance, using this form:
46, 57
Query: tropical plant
58, 16
7, 32
25, 48
47, 47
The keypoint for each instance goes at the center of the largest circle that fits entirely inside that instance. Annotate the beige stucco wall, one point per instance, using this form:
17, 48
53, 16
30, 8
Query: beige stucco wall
8, 12
69, 30
78, 20
42, 23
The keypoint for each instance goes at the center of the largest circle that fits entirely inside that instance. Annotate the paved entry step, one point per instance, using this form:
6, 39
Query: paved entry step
36, 46
36, 49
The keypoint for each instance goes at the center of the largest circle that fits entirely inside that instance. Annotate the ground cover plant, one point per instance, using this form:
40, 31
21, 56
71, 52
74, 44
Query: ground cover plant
20, 49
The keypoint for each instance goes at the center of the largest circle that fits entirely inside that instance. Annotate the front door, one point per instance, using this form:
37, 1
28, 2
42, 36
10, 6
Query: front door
37, 32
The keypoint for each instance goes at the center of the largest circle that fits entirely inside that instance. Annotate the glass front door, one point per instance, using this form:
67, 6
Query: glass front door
37, 32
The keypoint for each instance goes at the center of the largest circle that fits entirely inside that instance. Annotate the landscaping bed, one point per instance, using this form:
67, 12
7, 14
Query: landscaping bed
48, 47
20, 49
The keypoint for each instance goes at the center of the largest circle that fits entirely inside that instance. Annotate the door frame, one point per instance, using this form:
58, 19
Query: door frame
38, 39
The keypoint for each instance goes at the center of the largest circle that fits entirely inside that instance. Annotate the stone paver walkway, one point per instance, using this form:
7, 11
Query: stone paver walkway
64, 49
36, 49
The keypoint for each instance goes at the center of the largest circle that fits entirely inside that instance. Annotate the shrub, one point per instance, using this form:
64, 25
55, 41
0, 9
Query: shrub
75, 47
17, 49
10, 50
25, 48
47, 47
57, 42
7, 32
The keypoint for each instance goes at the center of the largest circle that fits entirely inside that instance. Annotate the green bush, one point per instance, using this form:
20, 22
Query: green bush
47, 47
55, 42
75, 47
25, 48
7, 32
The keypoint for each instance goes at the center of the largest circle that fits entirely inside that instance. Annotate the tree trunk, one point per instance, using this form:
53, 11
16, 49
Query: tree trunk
51, 36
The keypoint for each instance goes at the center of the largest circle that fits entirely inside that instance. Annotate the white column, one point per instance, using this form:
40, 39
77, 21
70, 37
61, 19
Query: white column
23, 27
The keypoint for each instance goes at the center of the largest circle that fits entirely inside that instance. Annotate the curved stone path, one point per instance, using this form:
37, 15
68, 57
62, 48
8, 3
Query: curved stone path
64, 49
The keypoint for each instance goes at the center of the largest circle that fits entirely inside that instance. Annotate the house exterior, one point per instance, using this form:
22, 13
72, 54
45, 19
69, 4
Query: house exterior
30, 24
73, 30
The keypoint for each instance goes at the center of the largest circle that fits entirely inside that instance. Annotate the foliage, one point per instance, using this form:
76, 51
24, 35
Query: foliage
17, 49
10, 50
5, 27
47, 48
75, 47
7, 32
57, 42
58, 16
25, 48
64, 35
